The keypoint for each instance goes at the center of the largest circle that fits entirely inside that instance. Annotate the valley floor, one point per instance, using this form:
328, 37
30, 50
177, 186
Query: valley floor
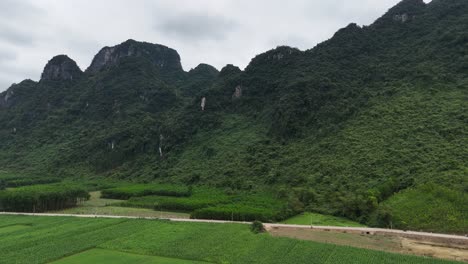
186, 232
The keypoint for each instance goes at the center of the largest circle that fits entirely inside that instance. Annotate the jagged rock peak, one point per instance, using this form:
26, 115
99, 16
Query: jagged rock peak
161, 56
61, 68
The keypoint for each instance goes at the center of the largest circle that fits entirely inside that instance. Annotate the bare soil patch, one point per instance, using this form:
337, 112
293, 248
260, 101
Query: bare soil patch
382, 242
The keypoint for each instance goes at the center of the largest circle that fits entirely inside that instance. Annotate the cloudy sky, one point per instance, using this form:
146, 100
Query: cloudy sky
217, 32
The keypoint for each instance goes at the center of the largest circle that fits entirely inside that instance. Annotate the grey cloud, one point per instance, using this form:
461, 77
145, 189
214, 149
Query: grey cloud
6, 56
14, 36
14, 9
198, 27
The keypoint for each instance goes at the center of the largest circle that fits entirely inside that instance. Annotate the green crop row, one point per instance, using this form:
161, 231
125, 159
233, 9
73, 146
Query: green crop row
40, 198
201, 198
262, 207
138, 190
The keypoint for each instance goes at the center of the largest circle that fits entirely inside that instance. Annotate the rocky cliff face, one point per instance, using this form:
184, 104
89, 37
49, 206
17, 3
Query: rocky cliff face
61, 68
161, 56
5, 98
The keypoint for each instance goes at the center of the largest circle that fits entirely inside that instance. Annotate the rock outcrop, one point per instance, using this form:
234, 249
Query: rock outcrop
403, 12
5, 97
161, 56
61, 68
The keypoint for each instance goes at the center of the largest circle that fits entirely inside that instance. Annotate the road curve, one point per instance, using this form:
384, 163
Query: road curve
463, 239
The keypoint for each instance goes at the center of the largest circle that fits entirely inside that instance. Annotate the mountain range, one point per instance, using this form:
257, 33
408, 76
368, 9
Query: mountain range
371, 124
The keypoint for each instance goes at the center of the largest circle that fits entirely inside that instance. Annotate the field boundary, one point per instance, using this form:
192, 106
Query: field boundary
435, 237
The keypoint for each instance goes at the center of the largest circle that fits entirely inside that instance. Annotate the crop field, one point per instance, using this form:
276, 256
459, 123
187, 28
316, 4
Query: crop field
319, 219
138, 190
104, 256
210, 203
68, 239
101, 206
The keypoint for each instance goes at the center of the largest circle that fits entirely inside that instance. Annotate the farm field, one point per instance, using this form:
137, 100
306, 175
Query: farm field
320, 220
101, 206
51, 239
104, 256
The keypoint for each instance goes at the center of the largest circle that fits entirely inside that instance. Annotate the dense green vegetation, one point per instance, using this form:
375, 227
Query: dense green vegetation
262, 207
427, 207
200, 198
210, 203
41, 198
137, 190
342, 129
52, 238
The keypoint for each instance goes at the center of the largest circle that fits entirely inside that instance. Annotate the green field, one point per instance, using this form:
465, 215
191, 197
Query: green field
12, 228
101, 206
55, 238
104, 256
320, 220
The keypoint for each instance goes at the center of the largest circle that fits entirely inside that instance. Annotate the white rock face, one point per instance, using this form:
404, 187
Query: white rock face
401, 18
203, 103
161, 138
8, 95
238, 92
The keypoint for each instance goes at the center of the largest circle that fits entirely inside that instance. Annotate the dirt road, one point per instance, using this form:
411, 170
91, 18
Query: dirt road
363, 230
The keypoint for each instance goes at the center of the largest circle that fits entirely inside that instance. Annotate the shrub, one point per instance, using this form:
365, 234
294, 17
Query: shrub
257, 227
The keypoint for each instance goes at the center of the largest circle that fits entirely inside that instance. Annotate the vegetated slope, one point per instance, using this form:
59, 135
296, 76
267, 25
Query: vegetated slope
337, 129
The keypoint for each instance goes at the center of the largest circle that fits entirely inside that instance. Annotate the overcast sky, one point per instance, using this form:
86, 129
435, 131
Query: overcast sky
216, 32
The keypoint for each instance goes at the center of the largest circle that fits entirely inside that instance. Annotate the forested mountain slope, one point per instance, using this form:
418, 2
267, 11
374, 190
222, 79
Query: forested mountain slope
356, 126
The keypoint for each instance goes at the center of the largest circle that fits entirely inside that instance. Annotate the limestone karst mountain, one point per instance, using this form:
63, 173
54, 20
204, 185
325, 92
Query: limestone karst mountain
347, 125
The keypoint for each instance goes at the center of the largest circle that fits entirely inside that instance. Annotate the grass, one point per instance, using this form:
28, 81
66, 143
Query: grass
12, 228
320, 220
53, 238
124, 211
101, 206
104, 256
